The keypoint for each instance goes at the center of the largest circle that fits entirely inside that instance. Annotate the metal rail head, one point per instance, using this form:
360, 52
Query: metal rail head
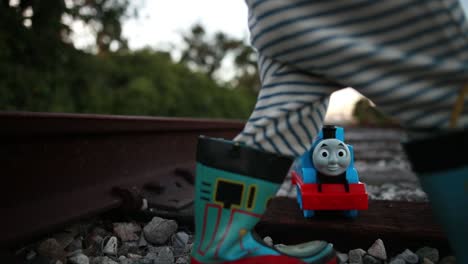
57, 168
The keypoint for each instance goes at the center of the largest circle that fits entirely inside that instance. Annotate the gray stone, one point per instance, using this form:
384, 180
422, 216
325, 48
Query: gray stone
127, 231
145, 261
124, 260
75, 245
128, 247
92, 250
448, 260
179, 243
144, 204
342, 257
431, 254
31, 255
151, 256
95, 240
183, 260
427, 261
355, 255
52, 249
142, 242
127, 261
134, 256
378, 250
111, 246
268, 240
189, 248
103, 260
397, 260
162, 255
159, 230
79, 258
368, 259
76, 252
409, 257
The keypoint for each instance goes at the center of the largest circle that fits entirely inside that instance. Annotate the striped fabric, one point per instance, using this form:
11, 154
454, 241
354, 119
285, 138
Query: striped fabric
408, 57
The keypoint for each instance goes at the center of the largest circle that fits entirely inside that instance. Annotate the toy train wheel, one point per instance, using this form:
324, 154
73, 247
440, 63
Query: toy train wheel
308, 213
351, 213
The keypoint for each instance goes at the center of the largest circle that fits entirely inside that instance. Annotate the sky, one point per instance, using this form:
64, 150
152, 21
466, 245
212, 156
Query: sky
161, 23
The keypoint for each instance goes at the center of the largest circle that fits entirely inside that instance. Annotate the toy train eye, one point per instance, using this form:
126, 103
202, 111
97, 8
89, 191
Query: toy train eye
341, 153
324, 153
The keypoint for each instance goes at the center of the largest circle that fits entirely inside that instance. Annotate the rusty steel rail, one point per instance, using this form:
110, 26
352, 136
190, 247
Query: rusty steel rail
57, 168
400, 224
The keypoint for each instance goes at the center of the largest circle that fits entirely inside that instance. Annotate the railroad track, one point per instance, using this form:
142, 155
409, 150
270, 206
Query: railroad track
58, 168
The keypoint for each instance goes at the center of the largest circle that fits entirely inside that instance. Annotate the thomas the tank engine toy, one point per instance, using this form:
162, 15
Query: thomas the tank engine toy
326, 179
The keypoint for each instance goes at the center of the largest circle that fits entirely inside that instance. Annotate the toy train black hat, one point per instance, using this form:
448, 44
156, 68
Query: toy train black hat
330, 131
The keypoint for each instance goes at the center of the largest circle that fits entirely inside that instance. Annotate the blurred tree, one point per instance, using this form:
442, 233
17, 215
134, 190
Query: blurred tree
41, 70
207, 53
247, 77
51, 21
36, 53
104, 17
147, 82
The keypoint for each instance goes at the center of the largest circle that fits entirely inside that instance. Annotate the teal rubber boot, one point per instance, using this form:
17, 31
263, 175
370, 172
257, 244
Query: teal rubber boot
442, 167
233, 186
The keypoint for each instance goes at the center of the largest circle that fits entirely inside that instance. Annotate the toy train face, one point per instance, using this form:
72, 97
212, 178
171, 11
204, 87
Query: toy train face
325, 176
331, 157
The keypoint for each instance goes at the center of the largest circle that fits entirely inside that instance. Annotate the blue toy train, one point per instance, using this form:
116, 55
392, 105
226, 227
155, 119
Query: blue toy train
325, 176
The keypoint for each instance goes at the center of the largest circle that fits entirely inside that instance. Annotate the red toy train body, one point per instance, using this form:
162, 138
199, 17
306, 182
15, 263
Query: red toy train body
326, 179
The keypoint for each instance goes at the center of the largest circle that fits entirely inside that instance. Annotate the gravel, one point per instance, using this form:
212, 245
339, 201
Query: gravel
97, 241
164, 241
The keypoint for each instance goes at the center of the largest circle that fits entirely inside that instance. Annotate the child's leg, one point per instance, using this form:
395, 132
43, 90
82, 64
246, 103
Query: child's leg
409, 57
290, 110
234, 180
443, 171
233, 185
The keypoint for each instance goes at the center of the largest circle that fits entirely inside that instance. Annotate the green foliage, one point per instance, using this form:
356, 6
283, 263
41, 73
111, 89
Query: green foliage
149, 83
41, 70
207, 53
48, 22
143, 82
204, 53
104, 17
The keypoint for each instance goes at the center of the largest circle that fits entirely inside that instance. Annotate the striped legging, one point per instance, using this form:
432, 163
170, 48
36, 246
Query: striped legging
408, 57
